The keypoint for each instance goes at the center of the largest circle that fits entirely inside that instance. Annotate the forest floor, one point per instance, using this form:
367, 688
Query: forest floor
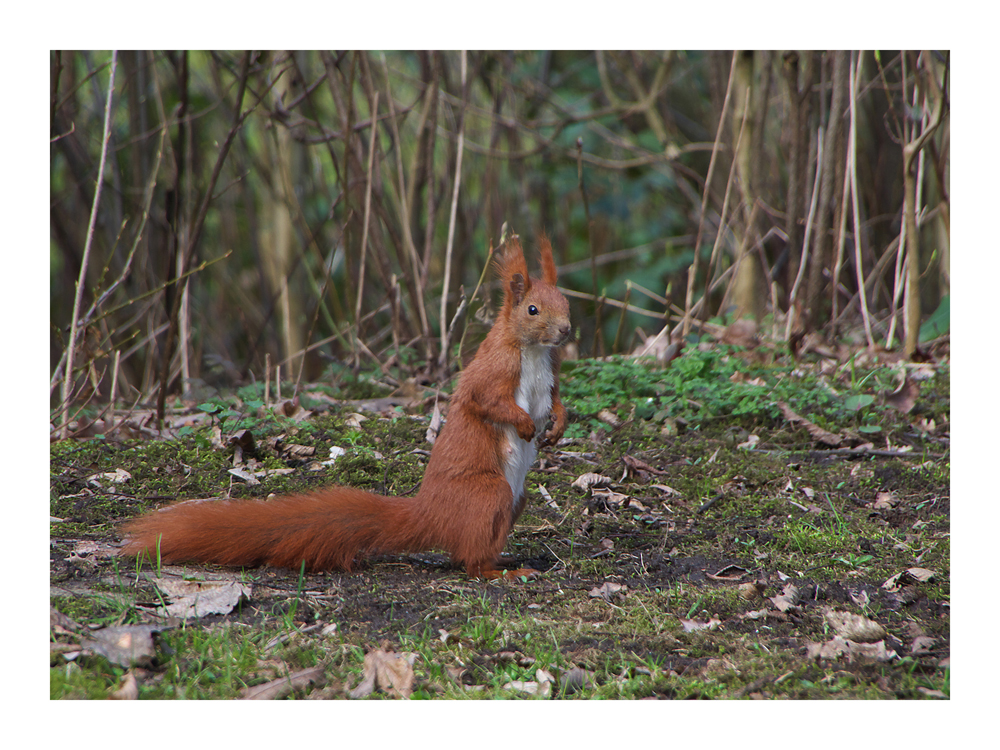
730, 540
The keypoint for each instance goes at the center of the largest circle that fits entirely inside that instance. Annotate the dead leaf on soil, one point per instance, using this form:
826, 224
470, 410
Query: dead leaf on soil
742, 332
854, 627
904, 398
752, 590
690, 626
215, 438
200, 598
299, 452
447, 637
292, 409
387, 671
640, 469
728, 573
60, 623
354, 420
665, 489
605, 547
609, 418
922, 645
611, 498
245, 475
335, 452
118, 476
660, 346
127, 645
88, 553
549, 501
841, 647
435, 424
908, 577
282, 686
590, 480
885, 501
633, 504
921, 575
609, 591
860, 598
815, 431
787, 600
540, 686
576, 679
128, 690
242, 442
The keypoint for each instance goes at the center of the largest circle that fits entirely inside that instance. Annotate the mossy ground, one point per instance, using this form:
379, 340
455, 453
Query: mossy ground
719, 510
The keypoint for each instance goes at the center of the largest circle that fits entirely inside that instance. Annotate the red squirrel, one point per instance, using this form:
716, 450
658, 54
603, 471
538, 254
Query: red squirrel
473, 488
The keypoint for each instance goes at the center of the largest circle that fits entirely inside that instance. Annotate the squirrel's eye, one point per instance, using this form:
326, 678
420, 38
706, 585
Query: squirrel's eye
532, 310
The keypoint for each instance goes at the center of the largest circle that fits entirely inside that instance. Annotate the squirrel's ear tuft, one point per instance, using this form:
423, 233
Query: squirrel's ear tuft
548, 262
513, 272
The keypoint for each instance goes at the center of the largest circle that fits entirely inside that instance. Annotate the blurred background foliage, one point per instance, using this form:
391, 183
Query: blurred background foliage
297, 208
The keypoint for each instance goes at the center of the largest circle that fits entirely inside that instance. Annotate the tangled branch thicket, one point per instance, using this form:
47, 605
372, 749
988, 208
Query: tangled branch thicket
296, 207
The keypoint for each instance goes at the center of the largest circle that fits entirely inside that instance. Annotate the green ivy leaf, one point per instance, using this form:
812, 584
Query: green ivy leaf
859, 402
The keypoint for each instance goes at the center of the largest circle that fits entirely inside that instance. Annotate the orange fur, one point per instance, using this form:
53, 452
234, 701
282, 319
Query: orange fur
473, 488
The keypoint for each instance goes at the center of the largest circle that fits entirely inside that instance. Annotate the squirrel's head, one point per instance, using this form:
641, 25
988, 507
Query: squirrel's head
536, 310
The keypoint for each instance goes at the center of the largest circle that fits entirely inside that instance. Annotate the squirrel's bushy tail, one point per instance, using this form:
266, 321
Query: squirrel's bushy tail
327, 530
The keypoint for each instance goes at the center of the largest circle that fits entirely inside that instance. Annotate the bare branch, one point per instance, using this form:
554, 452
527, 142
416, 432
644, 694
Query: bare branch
81, 280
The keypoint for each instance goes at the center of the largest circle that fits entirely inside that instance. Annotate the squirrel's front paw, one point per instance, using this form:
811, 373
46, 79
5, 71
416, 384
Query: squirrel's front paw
526, 430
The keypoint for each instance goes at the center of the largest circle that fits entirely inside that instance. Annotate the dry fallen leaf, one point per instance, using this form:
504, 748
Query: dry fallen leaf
907, 578
283, 685
728, 573
549, 501
354, 420
435, 424
605, 547
299, 452
752, 590
576, 679
245, 475
609, 418
854, 627
200, 598
665, 489
118, 476
126, 645
885, 501
388, 671
640, 468
818, 433
742, 332
787, 600
904, 398
609, 591
921, 575
610, 497
128, 690
531, 687
590, 480
839, 646
922, 644
691, 626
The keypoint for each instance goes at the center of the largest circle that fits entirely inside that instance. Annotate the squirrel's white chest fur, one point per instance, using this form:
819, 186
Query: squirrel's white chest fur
534, 395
